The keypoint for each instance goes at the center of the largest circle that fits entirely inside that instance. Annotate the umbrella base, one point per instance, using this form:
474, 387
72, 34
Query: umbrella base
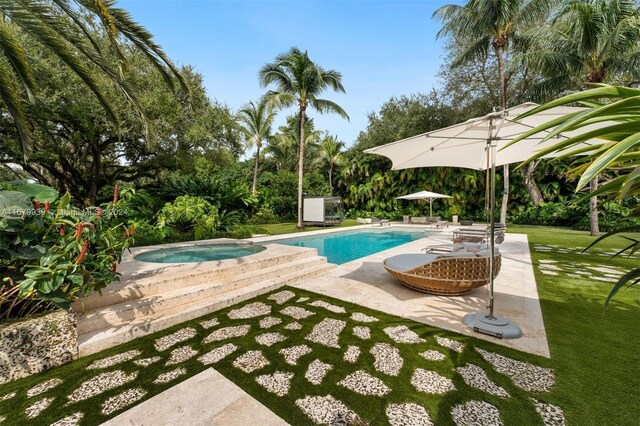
495, 326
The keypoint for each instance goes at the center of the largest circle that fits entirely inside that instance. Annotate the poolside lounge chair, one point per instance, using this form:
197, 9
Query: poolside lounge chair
479, 235
446, 274
381, 222
440, 224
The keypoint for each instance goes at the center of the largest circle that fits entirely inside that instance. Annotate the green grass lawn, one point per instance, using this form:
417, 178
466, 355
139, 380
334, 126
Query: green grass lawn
594, 353
287, 228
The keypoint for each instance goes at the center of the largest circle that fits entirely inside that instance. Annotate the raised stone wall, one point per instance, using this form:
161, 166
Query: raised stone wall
35, 345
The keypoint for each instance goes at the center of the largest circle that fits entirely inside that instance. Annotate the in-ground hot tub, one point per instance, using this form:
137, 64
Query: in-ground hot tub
199, 253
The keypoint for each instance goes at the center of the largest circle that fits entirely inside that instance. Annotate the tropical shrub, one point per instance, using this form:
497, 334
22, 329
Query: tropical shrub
189, 214
52, 253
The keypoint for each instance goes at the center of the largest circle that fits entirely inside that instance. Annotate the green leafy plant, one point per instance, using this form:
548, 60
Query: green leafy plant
188, 213
55, 253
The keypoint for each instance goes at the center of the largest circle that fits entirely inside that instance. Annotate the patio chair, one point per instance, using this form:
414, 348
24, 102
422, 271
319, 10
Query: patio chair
479, 235
444, 274
381, 222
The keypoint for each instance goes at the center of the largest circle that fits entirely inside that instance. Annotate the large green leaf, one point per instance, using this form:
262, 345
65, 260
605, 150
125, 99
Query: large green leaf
13, 201
38, 192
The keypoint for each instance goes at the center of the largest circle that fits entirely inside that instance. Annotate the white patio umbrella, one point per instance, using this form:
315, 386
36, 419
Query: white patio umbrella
424, 195
478, 144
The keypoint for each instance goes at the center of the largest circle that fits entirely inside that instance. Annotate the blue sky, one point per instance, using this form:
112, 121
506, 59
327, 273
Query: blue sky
382, 48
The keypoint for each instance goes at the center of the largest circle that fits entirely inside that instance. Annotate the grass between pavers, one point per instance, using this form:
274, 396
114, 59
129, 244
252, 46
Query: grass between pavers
595, 353
518, 409
288, 228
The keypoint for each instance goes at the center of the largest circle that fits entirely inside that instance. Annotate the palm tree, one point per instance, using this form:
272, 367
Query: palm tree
331, 155
256, 120
484, 25
588, 41
66, 28
299, 81
287, 141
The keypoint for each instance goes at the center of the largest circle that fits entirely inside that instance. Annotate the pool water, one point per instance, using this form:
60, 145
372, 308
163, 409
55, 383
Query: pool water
343, 247
199, 253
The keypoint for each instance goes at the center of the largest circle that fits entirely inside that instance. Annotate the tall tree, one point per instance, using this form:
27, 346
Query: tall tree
588, 41
256, 121
331, 155
66, 29
484, 25
299, 81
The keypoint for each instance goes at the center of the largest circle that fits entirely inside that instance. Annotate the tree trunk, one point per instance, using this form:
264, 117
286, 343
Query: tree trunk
255, 169
330, 179
530, 184
301, 166
593, 209
503, 106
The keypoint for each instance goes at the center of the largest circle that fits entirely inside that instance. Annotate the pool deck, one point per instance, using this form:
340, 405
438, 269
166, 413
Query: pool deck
365, 282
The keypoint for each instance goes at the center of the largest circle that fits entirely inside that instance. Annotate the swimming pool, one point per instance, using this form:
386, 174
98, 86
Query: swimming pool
343, 247
199, 253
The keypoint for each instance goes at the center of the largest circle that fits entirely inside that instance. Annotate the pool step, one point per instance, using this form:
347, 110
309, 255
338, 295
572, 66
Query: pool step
138, 287
117, 324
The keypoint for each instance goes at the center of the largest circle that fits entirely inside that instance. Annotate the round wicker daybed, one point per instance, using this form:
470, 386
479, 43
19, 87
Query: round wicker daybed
449, 274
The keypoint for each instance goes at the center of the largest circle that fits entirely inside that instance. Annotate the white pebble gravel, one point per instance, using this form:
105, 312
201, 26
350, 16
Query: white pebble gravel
270, 339
292, 354
293, 326
432, 355
252, 310
476, 413
327, 332
170, 375
38, 407
526, 376
317, 371
431, 382
328, 306
387, 359
326, 410
552, 415
145, 362
100, 384
402, 334
181, 354
296, 312
409, 414
269, 322
454, 345
277, 383
71, 420
7, 396
360, 317
218, 354
476, 377
210, 323
173, 339
365, 384
114, 360
251, 361
362, 332
122, 400
227, 333
43, 387
352, 354
282, 296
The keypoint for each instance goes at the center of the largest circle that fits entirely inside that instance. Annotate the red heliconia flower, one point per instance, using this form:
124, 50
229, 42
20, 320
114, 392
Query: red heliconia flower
132, 229
115, 266
83, 252
61, 229
98, 212
79, 230
46, 206
124, 234
115, 194
37, 203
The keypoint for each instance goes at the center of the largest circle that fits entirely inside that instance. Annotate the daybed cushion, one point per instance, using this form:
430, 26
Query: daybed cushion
485, 252
458, 254
409, 261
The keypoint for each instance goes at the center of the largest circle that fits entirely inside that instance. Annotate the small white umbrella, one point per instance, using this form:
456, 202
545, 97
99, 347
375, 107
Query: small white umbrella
424, 195
481, 144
